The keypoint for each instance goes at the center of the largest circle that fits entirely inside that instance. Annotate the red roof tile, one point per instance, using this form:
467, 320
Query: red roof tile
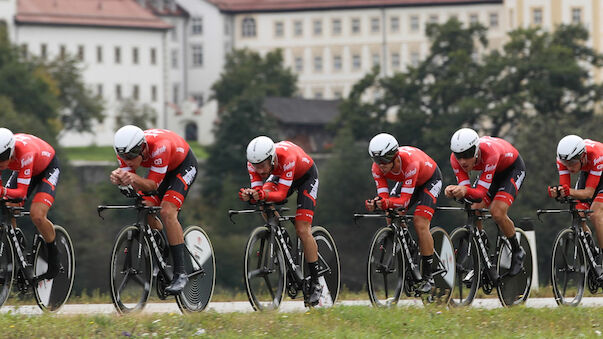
107, 13
293, 5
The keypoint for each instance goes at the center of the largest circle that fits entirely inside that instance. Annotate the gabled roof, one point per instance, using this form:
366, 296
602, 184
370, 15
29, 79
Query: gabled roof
105, 13
302, 111
303, 5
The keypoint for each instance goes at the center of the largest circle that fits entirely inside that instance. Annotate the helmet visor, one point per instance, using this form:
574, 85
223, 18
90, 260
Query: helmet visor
571, 162
132, 153
5, 155
470, 153
386, 158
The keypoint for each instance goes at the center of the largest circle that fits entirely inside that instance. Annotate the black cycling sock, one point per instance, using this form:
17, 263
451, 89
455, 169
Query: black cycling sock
427, 261
53, 253
178, 255
514, 243
313, 271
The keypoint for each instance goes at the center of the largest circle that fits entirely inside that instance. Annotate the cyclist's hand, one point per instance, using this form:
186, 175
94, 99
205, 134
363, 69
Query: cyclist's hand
383, 203
564, 190
448, 191
243, 196
369, 204
258, 194
129, 178
457, 191
553, 191
2, 192
115, 177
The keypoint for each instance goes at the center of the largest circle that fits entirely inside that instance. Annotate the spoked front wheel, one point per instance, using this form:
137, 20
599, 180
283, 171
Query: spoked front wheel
131, 271
51, 294
7, 267
264, 270
514, 290
443, 268
468, 268
200, 264
568, 268
329, 269
385, 268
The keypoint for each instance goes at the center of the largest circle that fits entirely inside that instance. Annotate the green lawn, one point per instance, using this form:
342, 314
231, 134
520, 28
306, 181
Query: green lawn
337, 322
106, 153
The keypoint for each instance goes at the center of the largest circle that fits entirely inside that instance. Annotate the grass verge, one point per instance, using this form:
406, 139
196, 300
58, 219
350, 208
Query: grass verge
106, 153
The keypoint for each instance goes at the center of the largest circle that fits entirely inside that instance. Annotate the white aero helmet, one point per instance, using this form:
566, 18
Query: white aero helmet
129, 142
464, 143
7, 144
383, 148
570, 147
260, 149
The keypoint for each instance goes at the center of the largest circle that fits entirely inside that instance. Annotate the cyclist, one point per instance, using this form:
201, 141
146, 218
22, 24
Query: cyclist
418, 182
502, 173
35, 168
276, 171
574, 155
173, 169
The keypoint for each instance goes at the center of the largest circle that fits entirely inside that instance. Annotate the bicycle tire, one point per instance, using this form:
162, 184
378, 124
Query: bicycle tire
568, 267
51, 294
386, 268
198, 291
514, 290
265, 287
130, 276
443, 268
328, 258
7, 267
468, 272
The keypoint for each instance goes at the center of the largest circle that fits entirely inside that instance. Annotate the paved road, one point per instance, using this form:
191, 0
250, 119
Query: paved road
287, 306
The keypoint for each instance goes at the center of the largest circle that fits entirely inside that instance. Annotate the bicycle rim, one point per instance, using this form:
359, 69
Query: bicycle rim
385, 269
329, 269
53, 293
514, 290
468, 267
443, 267
568, 268
7, 267
131, 271
264, 270
198, 291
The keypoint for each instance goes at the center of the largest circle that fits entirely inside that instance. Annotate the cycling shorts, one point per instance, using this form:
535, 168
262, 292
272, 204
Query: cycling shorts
424, 196
307, 192
506, 184
177, 182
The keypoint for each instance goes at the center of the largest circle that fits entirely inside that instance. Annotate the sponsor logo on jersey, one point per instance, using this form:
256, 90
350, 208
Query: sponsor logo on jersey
53, 178
408, 182
27, 172
598, 160
158, 151
376, 176
153, 132
46, 154
288, 166
314, 190
410, 173
180, 149
428, 164
22, 138
289, 174
509, 155
489, 168
436, 188
26, 161
189, 175
306, 160
158, 161
455, 170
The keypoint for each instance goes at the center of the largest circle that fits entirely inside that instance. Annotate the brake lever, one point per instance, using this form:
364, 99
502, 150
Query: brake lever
230, 214
100, 209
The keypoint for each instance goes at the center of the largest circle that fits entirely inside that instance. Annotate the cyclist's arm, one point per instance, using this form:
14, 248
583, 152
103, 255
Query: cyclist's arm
254, 178
485, 180
462, 178
380, 182
408, 187
23, 179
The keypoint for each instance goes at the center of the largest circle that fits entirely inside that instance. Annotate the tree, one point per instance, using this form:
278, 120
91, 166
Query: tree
131, 113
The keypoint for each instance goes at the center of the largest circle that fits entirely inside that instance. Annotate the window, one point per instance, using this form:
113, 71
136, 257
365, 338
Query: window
226, 27
135, 55
191, 132
197, 55
537, 15
336, 26
318, 94
99, 54
153, 56
433, 19
174, 33
197, 25
396, 60
118, 92
248, 29
135, 91
375, 25
376, 59
355, 25
576, 15
153, 93
43, 51
493, 20
338, 94
298, 28
317, 25
414, 23
318, 64
337, 65
63, 51
175, 59
299, 64
278, 29
356, 62
394, 24
99, 90
175, 92
117, 55
80, 52
198, 97
473, 19
414, 59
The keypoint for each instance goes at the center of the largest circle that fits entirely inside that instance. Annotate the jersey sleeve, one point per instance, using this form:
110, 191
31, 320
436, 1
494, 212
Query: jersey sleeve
160, 163
254, 177
408, 186
284, 182
23, 178
462, 178
594, 176
485, 179
380, 182
564, 174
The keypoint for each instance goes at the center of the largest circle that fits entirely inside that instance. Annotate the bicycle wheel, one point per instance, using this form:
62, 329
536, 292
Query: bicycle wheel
514, 290
7, 267
443, 268
131, 271
264, 271
330, 270
51, 294
568, 269
385, 268
468, 267
198, 291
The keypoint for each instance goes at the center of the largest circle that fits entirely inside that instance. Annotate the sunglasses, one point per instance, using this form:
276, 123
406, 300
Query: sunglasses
132, 154
468, 154
383, 159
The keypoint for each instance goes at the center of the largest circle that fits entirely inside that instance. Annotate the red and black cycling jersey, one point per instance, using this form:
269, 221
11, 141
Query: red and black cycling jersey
495, 156
292, 164
593, 165
31, 157
416, 168
166, 149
